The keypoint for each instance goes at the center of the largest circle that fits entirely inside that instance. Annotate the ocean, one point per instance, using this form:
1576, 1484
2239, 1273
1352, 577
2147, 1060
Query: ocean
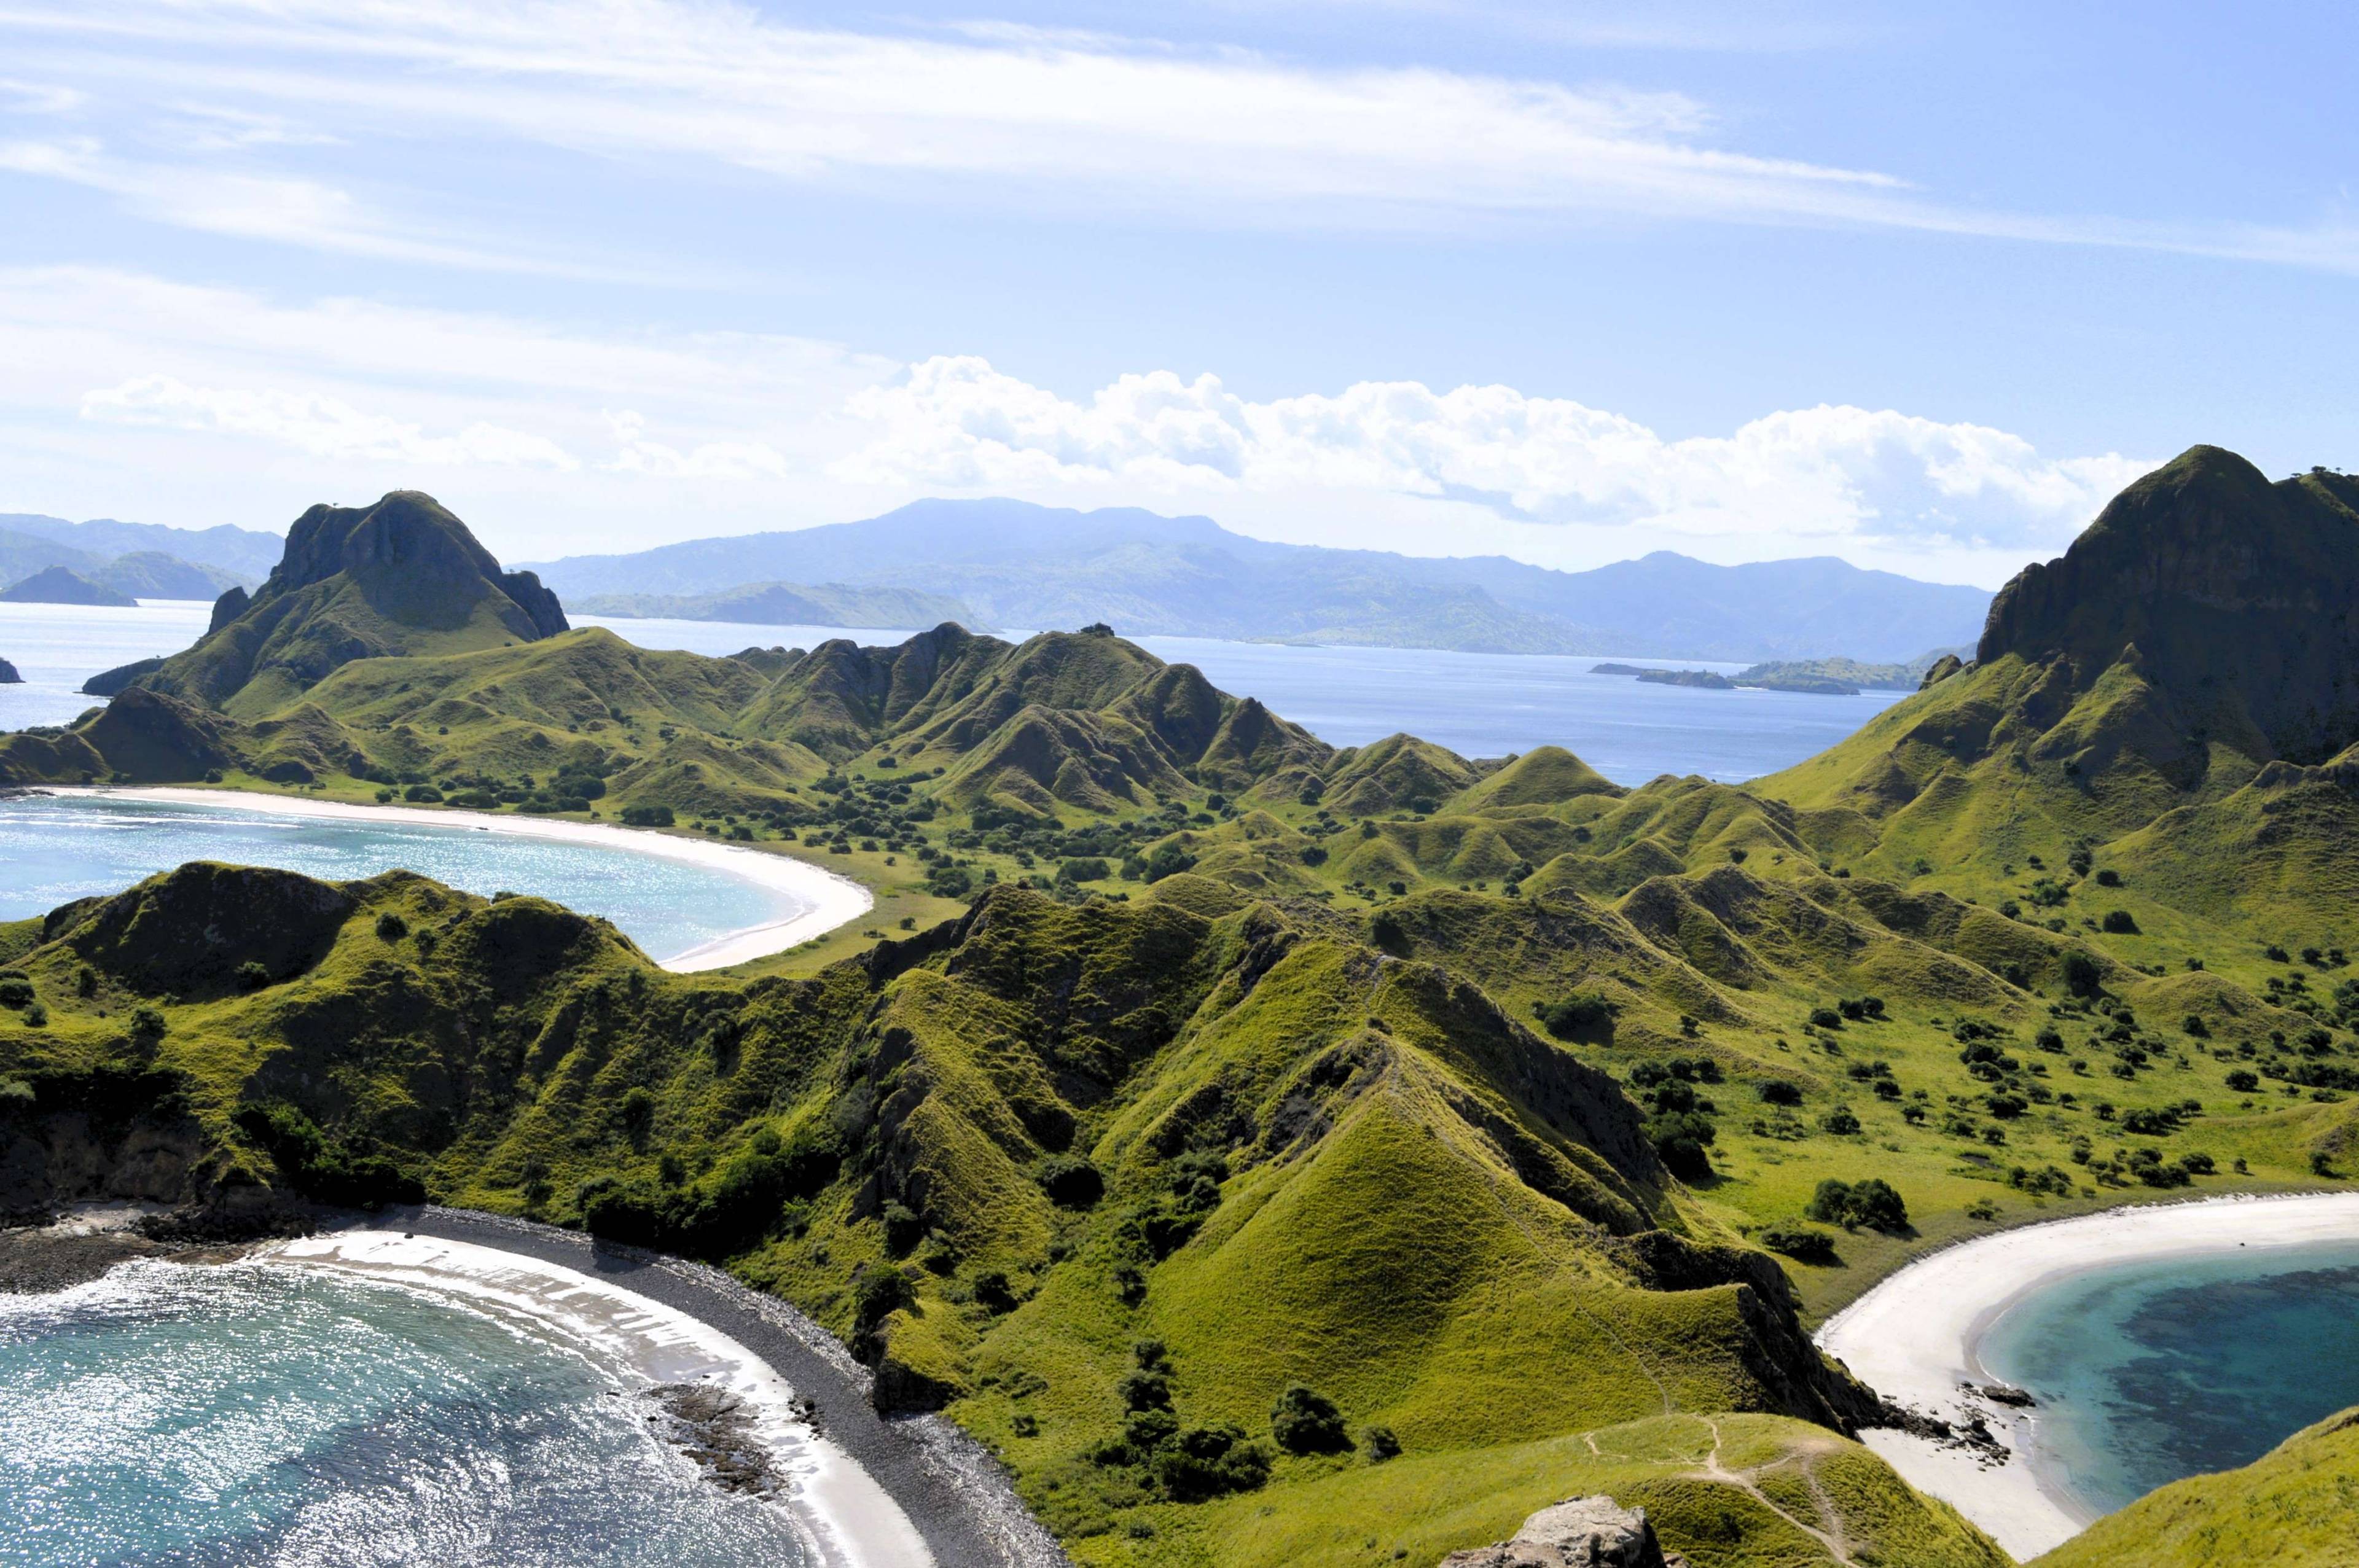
2152, 1371
254, 1414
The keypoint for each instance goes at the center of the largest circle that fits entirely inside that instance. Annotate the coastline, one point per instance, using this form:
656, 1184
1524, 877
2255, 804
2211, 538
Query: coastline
831, 900
1915, 1337
865, 1491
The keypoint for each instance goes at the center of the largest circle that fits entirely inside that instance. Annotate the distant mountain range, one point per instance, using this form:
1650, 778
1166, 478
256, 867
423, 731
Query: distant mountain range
792, 604
1018, 564
141, 560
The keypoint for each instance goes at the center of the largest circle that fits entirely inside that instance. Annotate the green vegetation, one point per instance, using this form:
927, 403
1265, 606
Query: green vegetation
1223, 1098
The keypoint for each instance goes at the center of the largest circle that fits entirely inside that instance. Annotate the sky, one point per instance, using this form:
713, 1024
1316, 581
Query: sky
1919, 286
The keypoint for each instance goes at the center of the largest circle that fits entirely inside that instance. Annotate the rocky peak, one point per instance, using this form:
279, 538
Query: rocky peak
2235, 593
411, 533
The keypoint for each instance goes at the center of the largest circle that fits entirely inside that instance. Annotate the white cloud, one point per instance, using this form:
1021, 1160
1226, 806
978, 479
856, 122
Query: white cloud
1832, 473
1011, 115
321, 425
712, 460
1139, 122
218, 404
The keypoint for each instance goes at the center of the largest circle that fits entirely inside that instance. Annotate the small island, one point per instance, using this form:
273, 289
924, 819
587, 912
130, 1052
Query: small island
55, 585
8, 675
1704, 679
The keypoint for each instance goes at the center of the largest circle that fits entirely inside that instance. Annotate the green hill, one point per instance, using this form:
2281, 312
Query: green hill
58, 585
1489, 1100
401, 578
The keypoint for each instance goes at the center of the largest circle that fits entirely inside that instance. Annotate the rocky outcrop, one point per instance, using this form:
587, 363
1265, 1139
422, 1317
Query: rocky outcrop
1583, 1532
403, 577
8, 675
1941, 669
2233, 591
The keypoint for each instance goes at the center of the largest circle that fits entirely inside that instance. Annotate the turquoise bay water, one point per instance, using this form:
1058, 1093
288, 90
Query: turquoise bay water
252, 1415
54, 848
2149, 1372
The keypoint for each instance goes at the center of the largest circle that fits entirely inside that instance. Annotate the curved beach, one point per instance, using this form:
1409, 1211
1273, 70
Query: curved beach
867, 1491
829, 900
1914, 1338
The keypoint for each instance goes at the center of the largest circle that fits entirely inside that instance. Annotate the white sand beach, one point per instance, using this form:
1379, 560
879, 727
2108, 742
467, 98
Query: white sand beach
846, 1518
828, 900
1913, 1338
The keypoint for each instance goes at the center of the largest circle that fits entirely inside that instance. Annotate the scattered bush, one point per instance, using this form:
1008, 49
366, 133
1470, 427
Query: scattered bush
2118, 921
1070, 1181
1779, 1091
647, 817
1801, 1242
1307, 1423
1871, 1204
1582, 1014
1841, 1121
422, 794
1379, 1444
391, 927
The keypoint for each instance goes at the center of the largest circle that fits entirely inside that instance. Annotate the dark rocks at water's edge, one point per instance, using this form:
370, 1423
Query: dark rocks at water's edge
1581, 1532
54, 1253
1617, 669
716, 1429
8, 675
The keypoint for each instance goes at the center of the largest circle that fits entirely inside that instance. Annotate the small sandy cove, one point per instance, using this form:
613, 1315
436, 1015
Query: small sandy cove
1913, 1337
844, 1516
828, 900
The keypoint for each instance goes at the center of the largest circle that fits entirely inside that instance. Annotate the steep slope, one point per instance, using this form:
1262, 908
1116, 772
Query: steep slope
403, 577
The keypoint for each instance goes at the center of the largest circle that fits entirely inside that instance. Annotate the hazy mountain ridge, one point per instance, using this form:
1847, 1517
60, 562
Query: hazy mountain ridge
792, 604
141, 560
1021, 564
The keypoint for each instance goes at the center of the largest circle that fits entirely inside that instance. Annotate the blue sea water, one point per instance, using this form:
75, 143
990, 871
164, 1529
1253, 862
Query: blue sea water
255, 1415
55, 849
2149, 1372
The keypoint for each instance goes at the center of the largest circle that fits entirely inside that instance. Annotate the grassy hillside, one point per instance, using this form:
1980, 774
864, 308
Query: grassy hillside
1189, 1058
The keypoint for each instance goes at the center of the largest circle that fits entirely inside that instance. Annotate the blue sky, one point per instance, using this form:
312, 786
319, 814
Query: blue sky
1920, 286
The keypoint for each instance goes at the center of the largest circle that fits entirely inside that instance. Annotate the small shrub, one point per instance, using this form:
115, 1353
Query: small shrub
1379, 1444
391, 927
2109, 878
1779, 1091
1840, 1121
1307, 1423
647, 817
1070, 1181
1582, 1014
2119, 921
1872, 1203
1799, 1243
